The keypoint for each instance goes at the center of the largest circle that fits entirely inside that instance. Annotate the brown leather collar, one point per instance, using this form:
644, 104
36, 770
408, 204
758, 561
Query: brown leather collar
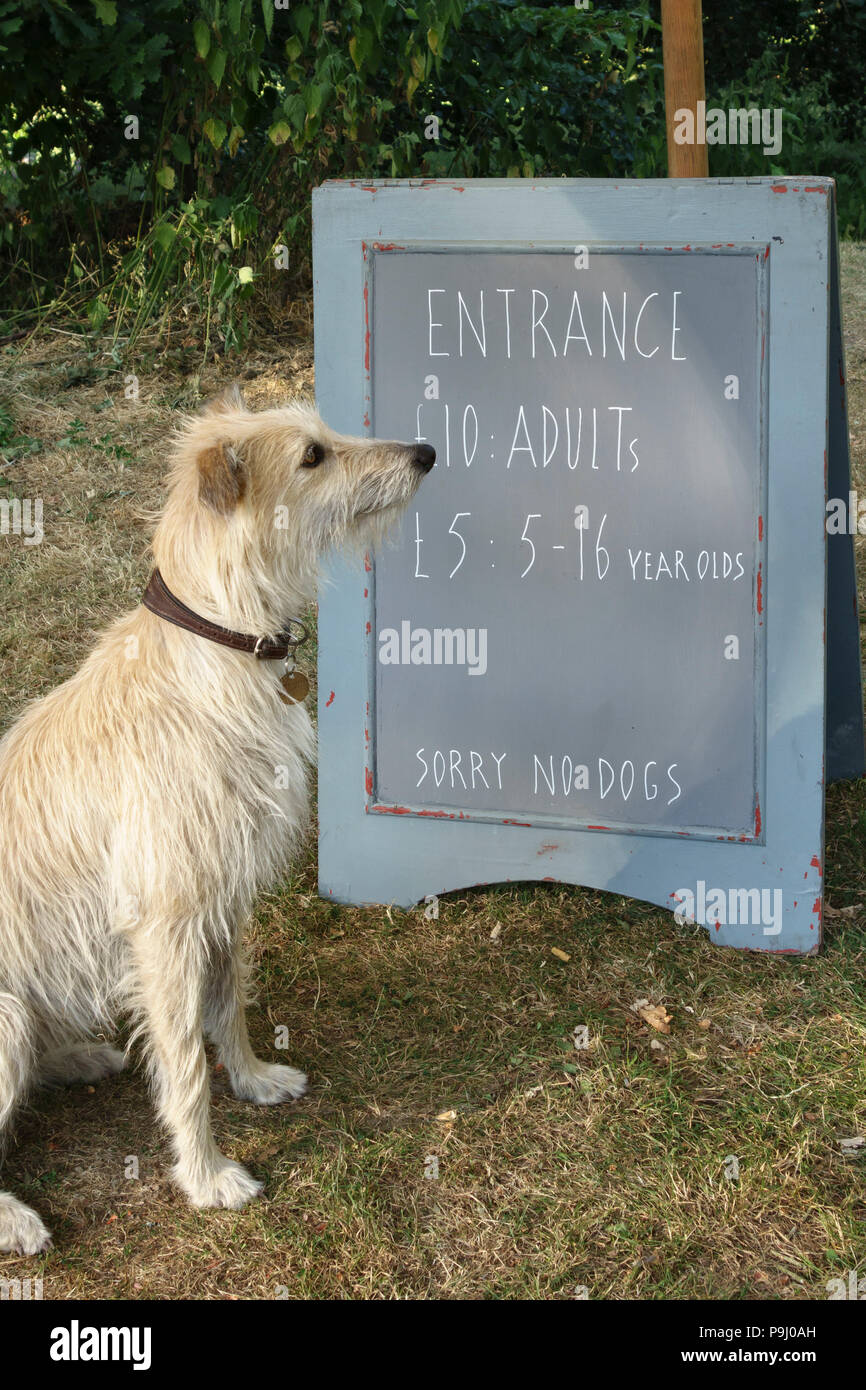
161, 601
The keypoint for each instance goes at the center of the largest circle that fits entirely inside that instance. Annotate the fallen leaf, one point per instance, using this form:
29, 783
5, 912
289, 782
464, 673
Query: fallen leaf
560, 955
841, 911
497, 932
656, 1015
704, 1023
447, 1115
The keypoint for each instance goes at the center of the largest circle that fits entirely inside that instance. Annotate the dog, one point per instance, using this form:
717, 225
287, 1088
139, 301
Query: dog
140, 807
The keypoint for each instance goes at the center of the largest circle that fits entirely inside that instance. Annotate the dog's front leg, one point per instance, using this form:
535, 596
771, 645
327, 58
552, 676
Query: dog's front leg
265, 1083
170, 978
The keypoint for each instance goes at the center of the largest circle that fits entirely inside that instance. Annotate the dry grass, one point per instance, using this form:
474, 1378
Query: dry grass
425, 1039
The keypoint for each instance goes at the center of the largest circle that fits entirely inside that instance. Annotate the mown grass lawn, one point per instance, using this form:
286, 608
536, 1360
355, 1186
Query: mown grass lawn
455, 1143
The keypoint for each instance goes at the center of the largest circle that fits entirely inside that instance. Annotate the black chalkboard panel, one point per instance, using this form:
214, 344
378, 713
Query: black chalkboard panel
570, 623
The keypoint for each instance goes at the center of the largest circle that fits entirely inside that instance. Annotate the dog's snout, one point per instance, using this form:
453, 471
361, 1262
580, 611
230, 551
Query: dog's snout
424, 457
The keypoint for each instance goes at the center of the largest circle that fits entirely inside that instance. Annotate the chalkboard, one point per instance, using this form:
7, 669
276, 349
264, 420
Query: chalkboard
596, 571
595, 649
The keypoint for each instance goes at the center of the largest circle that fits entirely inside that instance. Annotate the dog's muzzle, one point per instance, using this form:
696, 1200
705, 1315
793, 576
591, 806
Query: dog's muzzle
424, 457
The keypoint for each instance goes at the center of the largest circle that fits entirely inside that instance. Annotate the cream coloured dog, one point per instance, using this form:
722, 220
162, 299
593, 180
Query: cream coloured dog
140, 807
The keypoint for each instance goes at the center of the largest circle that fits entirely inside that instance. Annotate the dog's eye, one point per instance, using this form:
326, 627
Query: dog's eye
313, 457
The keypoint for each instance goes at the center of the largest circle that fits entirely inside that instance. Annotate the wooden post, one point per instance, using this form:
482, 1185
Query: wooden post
683, 49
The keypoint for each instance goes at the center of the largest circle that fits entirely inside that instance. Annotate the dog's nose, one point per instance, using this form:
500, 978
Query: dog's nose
424, 456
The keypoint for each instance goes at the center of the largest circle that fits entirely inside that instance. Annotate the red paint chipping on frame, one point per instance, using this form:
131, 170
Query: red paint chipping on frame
367, 328
760, 598
757, 818
760, 528
368, 781
816, 864
767, 253
366, 593
368, 629
366, 420
367, 566
779, 188
330, 700
517, 822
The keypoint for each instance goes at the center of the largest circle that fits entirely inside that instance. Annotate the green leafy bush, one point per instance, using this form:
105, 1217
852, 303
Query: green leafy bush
163, 151
530, 91
815, 135
151, 149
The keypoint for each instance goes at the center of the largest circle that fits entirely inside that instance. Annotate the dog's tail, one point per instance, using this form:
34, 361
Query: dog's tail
21, 1230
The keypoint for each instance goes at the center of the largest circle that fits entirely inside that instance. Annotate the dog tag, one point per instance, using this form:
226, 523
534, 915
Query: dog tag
296, 687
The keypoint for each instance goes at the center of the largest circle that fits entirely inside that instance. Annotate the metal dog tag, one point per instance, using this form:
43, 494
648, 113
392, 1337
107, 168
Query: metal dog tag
296, 686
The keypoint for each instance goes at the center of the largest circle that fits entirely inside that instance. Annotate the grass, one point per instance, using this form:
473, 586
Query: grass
446, 1041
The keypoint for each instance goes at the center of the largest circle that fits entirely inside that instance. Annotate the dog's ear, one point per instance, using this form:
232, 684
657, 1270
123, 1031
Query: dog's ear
232, 398
222, 479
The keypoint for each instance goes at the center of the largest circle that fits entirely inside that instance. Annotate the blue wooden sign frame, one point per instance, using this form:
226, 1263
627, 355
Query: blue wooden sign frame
809, 685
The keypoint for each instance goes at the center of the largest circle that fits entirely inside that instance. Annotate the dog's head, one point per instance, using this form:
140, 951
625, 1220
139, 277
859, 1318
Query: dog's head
281, 488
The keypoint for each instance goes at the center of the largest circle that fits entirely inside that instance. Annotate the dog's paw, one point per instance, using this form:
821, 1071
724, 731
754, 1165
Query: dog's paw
88, 1062
22, 1232
101, 1061
230, 1185
270, 1084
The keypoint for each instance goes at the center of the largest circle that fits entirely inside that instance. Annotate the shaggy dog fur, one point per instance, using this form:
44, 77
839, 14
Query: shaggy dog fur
140, 807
